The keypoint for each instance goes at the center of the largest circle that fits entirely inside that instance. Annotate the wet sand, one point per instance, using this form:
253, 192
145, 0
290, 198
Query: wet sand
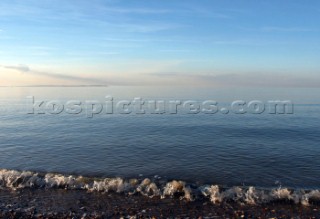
60, 203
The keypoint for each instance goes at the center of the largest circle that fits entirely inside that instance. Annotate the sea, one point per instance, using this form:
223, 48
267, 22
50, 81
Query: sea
74, 134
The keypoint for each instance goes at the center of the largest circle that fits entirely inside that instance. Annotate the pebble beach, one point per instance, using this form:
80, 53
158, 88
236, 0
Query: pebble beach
61, 203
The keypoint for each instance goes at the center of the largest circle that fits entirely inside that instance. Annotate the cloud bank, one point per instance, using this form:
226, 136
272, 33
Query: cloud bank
244, 79
254, 79
27, 70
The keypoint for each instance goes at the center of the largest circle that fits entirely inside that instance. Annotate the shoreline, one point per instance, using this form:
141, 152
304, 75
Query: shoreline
62, 203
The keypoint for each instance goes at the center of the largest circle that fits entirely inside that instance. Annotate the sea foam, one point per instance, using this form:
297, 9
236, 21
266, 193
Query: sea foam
12, 179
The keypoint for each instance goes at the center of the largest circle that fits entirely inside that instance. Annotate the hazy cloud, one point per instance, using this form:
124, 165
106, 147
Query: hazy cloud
21, 68
152, 40
249, 79
253, 79
263, 80
164, 74
136, 10
25, 69
287, 29
175, 50
146, 28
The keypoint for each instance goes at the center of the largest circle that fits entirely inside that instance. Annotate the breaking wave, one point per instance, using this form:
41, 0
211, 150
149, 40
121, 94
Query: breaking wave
156, 188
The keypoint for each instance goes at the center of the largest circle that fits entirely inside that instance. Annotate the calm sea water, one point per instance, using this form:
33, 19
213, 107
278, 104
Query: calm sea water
260, 150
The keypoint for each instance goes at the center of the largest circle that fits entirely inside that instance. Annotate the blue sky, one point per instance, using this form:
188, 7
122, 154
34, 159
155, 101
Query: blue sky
162, 42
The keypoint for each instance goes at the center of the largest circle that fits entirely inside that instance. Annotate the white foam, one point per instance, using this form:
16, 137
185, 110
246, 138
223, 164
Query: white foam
110, 184
177, 187
247, 195
15, 179
148, 188
213, 192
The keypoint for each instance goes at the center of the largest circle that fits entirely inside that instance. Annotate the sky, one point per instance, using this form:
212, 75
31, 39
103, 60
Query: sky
160, 42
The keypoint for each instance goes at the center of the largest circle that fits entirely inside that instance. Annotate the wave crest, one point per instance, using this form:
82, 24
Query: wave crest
13, 179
